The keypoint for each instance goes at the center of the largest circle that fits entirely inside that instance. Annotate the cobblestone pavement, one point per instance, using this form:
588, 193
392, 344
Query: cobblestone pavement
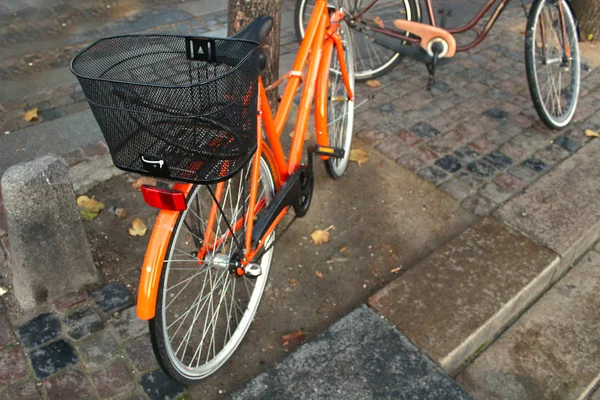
86, 347
475, 135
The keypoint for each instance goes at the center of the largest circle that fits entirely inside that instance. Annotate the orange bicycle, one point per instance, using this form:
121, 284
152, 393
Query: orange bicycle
192, 110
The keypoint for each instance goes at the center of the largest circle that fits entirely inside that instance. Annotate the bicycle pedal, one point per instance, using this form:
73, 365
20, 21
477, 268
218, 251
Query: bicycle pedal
252, 270
335, 152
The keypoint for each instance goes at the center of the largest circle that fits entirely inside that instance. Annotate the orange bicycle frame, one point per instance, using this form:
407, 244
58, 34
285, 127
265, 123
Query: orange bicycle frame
320, 39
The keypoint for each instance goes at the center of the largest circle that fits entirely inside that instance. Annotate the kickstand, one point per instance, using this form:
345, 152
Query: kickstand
431, 69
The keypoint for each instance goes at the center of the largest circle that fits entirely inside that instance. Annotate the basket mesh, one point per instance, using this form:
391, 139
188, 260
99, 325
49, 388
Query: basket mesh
195, 119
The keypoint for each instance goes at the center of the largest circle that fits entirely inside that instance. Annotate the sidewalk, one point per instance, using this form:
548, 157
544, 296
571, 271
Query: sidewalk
482, 207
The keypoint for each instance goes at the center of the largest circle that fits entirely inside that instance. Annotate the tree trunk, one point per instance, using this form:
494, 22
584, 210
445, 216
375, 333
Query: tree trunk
242, 12
587, 13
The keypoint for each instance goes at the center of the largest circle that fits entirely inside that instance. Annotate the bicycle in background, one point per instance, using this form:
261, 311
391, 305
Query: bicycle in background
385, 31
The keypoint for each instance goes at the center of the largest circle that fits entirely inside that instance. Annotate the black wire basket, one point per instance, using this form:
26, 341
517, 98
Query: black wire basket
174, 107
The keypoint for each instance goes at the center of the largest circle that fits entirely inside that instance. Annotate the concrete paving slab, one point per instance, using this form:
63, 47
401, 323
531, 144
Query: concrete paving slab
560, 210
461, 297
552, 351
57, 136
28, 85
202, 7
359, 357
384, 217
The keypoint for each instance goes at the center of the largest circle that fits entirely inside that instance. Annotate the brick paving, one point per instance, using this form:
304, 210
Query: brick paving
476, 135
89, 346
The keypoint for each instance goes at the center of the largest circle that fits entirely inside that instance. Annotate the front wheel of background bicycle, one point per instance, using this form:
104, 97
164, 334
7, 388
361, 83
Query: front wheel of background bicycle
340, 109
552, 75
202, 311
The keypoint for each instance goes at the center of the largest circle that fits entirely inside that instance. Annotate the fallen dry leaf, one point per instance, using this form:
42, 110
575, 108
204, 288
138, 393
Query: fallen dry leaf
89, 208
344, 249
32, 115
292, 281
319, 274
321, 236
591, 133
295, 337
373, 83
137, 228
144, 180
120, 212
359, 155
393, 271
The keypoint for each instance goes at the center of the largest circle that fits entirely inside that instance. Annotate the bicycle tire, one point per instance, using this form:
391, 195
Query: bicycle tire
551, 119
340, 135
411, 8
163, 337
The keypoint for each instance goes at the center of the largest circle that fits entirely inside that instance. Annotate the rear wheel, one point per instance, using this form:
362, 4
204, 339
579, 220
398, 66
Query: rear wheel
372, 60
340, 109
552, 61
203, 310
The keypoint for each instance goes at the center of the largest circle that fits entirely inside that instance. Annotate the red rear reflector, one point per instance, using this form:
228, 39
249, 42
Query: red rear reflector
165, 199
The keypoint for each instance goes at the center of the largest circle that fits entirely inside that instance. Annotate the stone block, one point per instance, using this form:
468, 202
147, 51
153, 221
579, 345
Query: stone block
498, 160
98, 349
412, 162
72, 384
12, 365
457, 189
498, 194
424, 130
158, 386
50, 252
112, 297
24, 390
359, 357
141, 354
128, 325
6, 333
41, 329
481, 169
52, 358
567, 143
82, 323
449, 163
460, 298
479, 205
113, 380
434, 175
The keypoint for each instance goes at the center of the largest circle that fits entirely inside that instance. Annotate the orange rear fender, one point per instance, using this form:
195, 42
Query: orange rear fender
155, 256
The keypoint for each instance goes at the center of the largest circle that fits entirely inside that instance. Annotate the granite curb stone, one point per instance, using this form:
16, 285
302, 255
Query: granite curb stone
358, 357
450, 306
559, 332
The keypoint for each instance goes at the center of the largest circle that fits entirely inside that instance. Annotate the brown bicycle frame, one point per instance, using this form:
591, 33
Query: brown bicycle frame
319, 43
501, 4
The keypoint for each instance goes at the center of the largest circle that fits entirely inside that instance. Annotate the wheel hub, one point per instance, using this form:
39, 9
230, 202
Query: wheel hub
219, 261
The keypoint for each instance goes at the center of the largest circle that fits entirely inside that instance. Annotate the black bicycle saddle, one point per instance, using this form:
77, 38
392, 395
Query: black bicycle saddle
257, 31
